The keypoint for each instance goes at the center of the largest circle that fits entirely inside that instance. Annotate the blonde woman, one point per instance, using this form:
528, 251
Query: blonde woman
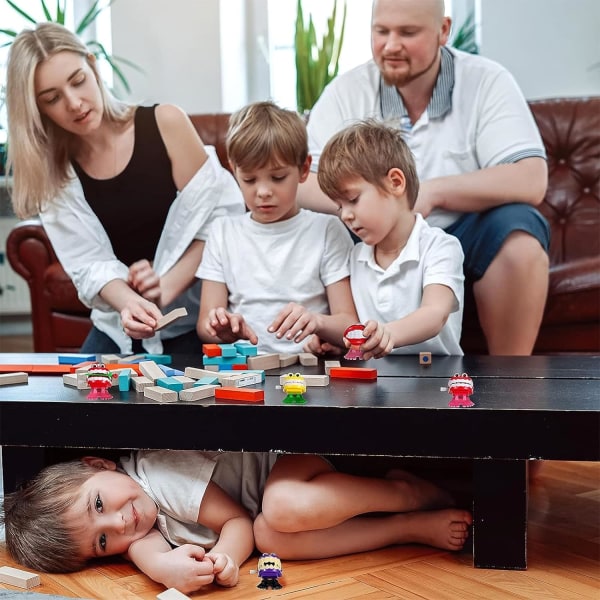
125, 192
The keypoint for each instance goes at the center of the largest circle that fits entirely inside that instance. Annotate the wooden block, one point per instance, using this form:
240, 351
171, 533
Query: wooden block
20, 578
110, 358
16, 368
263, 361
172, 594
151, 370
170, 383
82, 380
241, 380
169, 371
285, 360
160, 359
331, 363
132, 358
245, 348
207, 380
424, 358
83, 366
70, 379
167, 319
240, 367
308, 360
228, 350
353, 373
197, 373
310, 380
211, 349
123, 378
140, 383
199, 392
187, 382
112, 367
160, 394
50, 369
75, 359
240, 394
14, 378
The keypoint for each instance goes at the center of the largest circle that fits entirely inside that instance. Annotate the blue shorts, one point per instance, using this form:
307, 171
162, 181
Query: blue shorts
482, 234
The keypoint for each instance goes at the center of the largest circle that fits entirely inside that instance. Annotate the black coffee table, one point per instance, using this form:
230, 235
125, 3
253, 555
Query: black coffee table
540, 407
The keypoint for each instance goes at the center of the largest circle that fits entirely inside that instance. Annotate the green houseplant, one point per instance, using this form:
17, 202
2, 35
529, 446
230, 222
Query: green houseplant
58, 16
465, 36
316, 64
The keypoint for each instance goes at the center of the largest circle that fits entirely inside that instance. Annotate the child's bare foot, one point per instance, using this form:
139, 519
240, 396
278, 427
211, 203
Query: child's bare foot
420, 494
446, 529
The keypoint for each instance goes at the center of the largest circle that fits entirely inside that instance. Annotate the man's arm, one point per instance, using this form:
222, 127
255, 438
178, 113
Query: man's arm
310, 196
524, 181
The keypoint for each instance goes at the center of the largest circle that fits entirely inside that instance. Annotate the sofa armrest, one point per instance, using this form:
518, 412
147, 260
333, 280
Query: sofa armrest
54, 301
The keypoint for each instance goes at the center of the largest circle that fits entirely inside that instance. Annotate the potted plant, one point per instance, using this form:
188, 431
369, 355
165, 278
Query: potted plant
316, 64
95, 47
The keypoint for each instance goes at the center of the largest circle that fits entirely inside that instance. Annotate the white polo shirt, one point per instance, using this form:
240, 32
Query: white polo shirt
430, 256
477, 117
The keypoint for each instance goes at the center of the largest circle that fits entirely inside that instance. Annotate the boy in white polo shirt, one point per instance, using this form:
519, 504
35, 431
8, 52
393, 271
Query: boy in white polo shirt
406, 276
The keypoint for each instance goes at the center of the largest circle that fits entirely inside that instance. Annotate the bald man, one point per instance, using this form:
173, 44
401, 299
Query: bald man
479, 156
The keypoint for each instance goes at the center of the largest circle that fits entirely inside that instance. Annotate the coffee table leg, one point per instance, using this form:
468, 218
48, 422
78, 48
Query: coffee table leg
500, 514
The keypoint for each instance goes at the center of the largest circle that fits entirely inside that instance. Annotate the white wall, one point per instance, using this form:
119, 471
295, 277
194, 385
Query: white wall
552, 47
177, 44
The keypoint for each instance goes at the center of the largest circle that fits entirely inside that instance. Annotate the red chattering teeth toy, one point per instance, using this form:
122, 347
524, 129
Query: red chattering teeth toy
461, 387
354, 335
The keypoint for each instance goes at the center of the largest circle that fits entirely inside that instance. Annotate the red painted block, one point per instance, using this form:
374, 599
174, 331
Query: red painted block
211, 349
243, 367
353, 373
240, 394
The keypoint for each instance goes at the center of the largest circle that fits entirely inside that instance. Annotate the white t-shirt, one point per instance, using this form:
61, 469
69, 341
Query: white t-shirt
177, 480
265, 266
484, 120
430, 256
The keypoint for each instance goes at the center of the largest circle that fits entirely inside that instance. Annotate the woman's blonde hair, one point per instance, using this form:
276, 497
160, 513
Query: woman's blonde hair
38, 149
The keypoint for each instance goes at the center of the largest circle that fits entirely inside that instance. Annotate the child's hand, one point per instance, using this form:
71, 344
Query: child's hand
316, 346
139, 317
294, 322
229, 327
186, 568
144, 280
379, 340
225, 570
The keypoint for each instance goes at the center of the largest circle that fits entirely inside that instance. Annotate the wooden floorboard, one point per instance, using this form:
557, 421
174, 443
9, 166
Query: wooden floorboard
563, 561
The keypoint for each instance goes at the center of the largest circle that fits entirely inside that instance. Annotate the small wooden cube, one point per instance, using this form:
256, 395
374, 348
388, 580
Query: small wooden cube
308, 360
425, 358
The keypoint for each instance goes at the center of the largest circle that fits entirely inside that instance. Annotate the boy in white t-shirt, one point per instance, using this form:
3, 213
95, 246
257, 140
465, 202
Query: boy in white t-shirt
276, 274
406, 277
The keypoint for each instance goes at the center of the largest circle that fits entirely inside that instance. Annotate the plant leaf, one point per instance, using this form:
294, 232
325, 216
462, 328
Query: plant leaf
21, 12
91, 15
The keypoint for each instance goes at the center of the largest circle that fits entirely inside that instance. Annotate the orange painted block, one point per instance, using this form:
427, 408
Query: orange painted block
353, 373
211, 349
120, 366
50, 369
87, 363
242, 367
241, 394
16, 368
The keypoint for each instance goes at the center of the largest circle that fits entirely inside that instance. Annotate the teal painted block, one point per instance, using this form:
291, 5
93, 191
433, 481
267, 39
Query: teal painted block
170, 384
124, 378
208, 380
224, 360
246, 348
160, 359
228, 350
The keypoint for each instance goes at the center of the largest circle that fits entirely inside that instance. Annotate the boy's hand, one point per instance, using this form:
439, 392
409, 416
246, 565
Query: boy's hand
144, 280
186, 568
225, 570
294, 323
139, 317
316, 346
229, 327
379, 340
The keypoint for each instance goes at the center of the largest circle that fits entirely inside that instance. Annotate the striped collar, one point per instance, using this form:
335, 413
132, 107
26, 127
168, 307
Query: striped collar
392, 106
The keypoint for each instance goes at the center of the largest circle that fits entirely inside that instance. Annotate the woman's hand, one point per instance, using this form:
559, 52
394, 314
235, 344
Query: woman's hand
139, 318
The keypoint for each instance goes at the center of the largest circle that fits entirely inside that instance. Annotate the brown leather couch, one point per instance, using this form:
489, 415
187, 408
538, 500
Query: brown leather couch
571, 132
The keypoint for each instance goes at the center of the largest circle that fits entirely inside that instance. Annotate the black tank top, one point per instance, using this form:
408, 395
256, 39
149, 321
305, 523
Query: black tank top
133, 206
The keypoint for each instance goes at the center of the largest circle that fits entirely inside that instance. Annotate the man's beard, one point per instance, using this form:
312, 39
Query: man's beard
404, 78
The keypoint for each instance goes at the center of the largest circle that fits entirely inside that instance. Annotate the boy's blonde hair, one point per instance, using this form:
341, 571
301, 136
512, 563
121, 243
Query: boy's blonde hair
262, 133
38, 533
367, 149
38, 149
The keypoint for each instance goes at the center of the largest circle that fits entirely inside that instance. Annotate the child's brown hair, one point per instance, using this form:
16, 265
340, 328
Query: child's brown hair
38, 534
368, 149
261, 133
